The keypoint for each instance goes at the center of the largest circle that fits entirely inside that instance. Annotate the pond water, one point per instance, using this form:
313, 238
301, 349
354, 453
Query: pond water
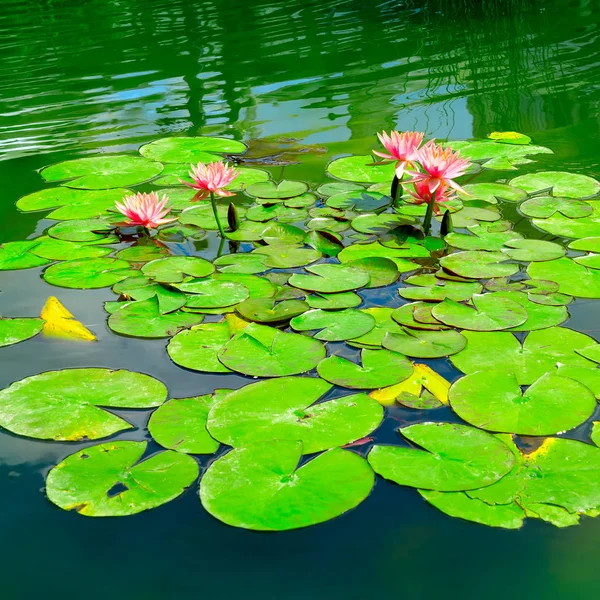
312, 82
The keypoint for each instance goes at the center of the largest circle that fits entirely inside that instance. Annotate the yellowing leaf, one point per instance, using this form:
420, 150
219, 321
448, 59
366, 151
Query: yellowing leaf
235, 323
511, 137
386, 396
433, 382
59, 322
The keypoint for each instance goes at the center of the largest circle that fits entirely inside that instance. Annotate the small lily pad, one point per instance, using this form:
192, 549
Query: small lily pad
197, 348
18, 255
425, 344
97, 231
13, 331
281, 190
492, 192
267, 310
88, 273
174, 269
245, 264
213, 293
383, 324
334, 326
432, 289
382, 271
280, 256
330, 278
533, 250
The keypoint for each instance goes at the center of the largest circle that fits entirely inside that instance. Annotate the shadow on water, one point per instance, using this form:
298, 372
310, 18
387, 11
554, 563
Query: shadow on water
89, 76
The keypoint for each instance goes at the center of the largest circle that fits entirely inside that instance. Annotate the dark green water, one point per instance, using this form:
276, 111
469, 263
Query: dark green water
87, 76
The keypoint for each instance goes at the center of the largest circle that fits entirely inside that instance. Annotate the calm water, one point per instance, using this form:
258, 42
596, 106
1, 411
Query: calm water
87, 76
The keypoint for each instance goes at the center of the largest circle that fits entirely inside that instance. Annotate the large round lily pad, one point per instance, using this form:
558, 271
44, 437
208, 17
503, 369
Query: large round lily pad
361, 169
261, 487
189, 149
425, 344
493, 400
287, 409
266, 310
454, 458
492, 192
197, 348
263, 351
432, 289
543, 207
174, 269
583, 227
573, 278
65, 405
478, 264
97, 231
103, 172
334, 326
17, 255
108, 480
180, 424
88, 273
282, 256
330, 278
568, 185
13, 331
271, 190
539, 316
213, 293
380, 368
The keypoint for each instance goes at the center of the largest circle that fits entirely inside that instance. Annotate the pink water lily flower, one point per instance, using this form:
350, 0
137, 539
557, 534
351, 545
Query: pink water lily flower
402, 148
423, 195
211, 178
146, 210
440, 166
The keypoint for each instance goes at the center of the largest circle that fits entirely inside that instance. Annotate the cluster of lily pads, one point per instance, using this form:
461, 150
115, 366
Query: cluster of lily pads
290, 302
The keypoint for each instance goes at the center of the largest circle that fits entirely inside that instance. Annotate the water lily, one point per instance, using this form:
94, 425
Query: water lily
144, 209
212, 178
440, 166
424, 195
402, 148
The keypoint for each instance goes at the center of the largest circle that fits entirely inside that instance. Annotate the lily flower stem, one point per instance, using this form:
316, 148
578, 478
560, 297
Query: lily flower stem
213, 203
429, 214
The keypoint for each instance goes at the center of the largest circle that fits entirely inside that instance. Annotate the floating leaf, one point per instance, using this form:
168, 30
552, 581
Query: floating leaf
64, 405
425, 344
494, 401
143, 288
492, 192
141, 254
330, 278
569, 185
85, 481
262, 351
59, 322
261, 487
197, 348
326, 242
338, 187
478, 265
287, 409
482, 240
383, 324
97, 231
533, 250
538, 316
572, 228
52, 249
334, 301
213, 293
180, 424
174, 269
434, 382
454, 458
281, 190
418, 315
510, 137
379, 368
88, 273
360, 168
359, 201
279, 256
543, 207
13, 331
590, 244
398, 255
541, 352
433, 289
267, 310
382, 271
102, 172
490, 312
189, 149
574, 279
245, 264
334, 326
17, 255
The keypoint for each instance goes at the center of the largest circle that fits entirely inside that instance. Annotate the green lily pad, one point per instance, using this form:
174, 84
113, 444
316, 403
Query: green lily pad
243, 264
589, 260
562, 184
213, 293
490, 312
460, 505
279, 256
180, 424
541, 352
18, 255
262, 351
103, 172
143, 288
338, 187
360, 169
334, 326
379, 368
543, 207
189, 149
478, 264
144, 319
533, 250
432, 289
470, 216
287, 409
482, 240
589, 377
88, 273
85, 481
493, 400
425, 344
174, 269
141, 254
383, 324
201, 215
375, 249
197, 348
334, 301
377, 224
359, 201
330, 278
275, 211
407, 315
267, 310
590, 244
281, 190
52, 249
329, 225
13, 331
572, 228
538, 316
97, 231
497, 154
326, 242
492, 192
574, 279
65, 405
282, 233
454, 458
259, 287
261, 487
